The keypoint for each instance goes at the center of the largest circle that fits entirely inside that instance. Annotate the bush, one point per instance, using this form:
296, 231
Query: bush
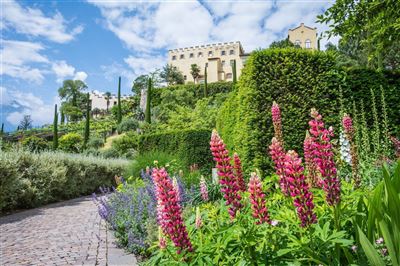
32, 179
110, 153
125, 143
71, 142
190, 146
34, 144
95, 142
297, 80
127, 124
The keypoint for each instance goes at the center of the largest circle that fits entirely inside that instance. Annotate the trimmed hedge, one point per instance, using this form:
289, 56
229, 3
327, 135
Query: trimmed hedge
297, 80
29, 180
190, 146
196, 89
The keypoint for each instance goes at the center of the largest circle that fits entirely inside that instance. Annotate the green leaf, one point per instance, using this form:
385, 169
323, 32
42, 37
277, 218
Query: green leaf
370, 252
387, 236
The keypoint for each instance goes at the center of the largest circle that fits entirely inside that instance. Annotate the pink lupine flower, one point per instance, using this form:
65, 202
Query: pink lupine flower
203, 189
170, 212
309, 161
238, 172
278, 157
323, 157
299, 189
228, 181
257, 200
277, 121
162, 242
198, 221
176, 188
350, 131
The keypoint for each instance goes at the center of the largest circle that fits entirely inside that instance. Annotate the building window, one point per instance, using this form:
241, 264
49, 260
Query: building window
191, 55
174, 57
210, 53
182, 56
223, 53
223, 62
228, 75
185, 77
297, 42
231, 52
308, 44
200, 54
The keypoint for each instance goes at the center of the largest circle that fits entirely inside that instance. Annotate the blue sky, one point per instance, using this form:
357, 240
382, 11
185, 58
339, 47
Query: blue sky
45, 42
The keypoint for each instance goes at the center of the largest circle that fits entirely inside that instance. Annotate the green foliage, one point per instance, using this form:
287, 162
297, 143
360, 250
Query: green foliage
87, 123
26, 123
127, 124
71, 142
126, 110
234, 79
95, 142
34, 144
190, 146
125, 144
285, 43
147, 115
32, 179
171, 75
195, 71
55, 129
119, 116
73, 98
154, 159
205, 83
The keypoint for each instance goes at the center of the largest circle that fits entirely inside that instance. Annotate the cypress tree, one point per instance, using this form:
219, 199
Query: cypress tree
55, 129
2, 128
234, 72
87, 124
62, 118
119, 115
147, 114
205, 81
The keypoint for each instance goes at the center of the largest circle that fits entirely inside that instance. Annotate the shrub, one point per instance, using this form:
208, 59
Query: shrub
34, 143
95, 142
127, 124
32, 179
110, 153
71, 142
125, 143
190, 146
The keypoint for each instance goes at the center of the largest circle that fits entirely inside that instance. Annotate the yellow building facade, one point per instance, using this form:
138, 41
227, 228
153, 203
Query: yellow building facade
218, 58
304, 36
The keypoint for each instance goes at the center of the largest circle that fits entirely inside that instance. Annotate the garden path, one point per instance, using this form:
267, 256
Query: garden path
65, 233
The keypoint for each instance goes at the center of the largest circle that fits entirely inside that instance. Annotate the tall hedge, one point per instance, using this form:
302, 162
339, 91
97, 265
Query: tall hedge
191, 146
197, 89
298, 80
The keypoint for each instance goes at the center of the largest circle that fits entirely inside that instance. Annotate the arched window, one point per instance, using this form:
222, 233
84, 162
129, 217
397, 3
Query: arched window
297, 42
308, 44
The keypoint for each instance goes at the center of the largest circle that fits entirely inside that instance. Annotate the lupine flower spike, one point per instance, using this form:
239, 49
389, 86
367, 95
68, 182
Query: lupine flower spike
198, 222
277, 121
323, 158
349, 131
299, 189
278, 157
203, 189
309, 161
257, 200
228, 181
170, 212
176, 188
239, 172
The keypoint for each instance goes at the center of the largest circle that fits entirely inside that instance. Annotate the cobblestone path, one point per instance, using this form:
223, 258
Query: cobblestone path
65, 233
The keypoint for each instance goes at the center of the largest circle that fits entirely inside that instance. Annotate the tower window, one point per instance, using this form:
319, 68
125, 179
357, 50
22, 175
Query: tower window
297, 42
223, 53
210, 53
231, 52
174, 57
308, 44
191, 55
182, 56
200, 54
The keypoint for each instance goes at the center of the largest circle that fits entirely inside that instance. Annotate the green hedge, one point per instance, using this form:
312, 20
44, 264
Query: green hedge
196, 89
190, 146
29, 180
298, 80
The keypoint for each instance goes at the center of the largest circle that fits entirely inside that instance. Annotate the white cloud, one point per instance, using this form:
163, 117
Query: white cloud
80, 75
144, 64
62, 70
27, 104
16, 57
32, 21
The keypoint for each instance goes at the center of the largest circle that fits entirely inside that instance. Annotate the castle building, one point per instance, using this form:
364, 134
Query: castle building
304, 36
218, 58
99, 100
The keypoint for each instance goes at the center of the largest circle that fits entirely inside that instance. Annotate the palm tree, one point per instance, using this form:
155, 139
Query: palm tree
195, 71
107, 95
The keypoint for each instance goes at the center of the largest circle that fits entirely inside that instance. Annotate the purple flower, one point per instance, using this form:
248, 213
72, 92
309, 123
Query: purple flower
379, 241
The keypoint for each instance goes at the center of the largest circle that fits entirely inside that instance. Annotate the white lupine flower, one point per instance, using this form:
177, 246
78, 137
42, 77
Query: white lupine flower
344, 148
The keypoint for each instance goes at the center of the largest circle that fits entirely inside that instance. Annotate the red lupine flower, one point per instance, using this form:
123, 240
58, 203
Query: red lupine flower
277, 121
170, 212
299, 189
323, 157
228, 181
257, 200
278, 157
350, 131
309, 161
239, 172
203, 189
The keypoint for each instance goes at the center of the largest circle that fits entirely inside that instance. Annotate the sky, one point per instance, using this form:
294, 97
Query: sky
46, 42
